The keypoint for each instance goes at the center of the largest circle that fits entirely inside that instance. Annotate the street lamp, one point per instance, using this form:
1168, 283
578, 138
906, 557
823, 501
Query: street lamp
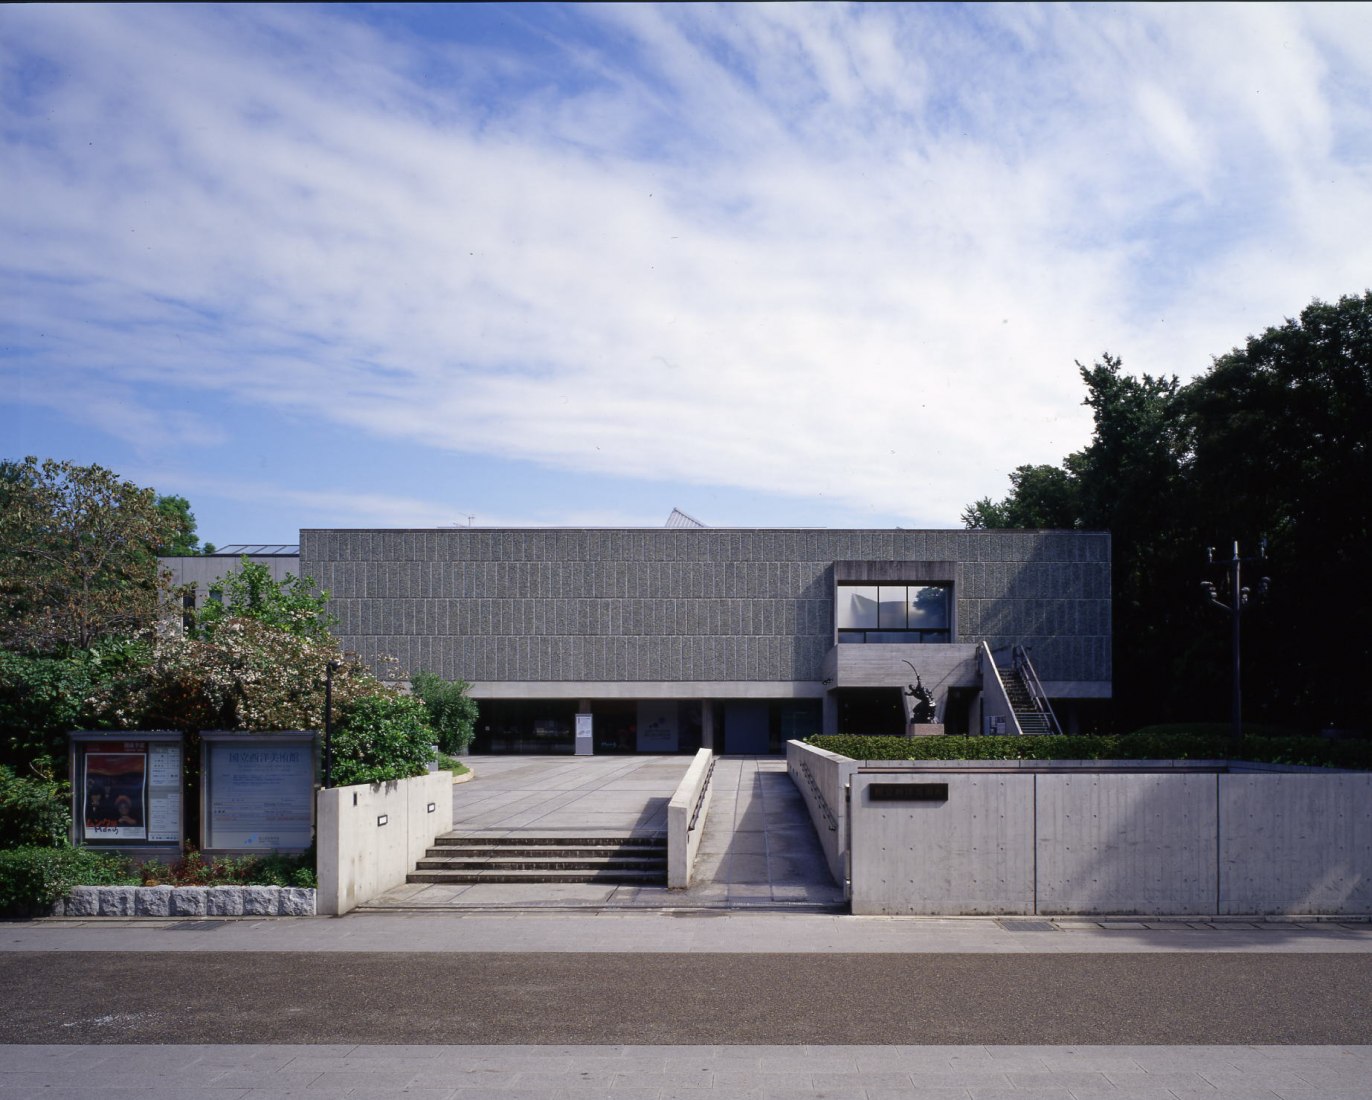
329, 670
1238, 600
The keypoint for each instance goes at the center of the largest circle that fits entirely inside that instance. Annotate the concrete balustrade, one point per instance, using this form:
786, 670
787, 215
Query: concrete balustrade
686, 814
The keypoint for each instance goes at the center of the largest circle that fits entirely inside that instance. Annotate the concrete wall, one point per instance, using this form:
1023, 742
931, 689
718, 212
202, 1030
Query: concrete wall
972, 854
1019, 838
1296, 843
203, 570
688, 605
1126, 843
686, 814
822, 779
358, 856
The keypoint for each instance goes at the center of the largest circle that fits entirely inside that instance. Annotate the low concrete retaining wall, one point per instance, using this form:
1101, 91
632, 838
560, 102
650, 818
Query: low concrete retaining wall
369, 837
186, 901
686, 815
1041, 837
822, 779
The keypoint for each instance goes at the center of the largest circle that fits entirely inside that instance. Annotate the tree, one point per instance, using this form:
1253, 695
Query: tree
293, 604
1040, 497
77, 555
1282, 430
246, 675
1273, 440
452, 712
183, 540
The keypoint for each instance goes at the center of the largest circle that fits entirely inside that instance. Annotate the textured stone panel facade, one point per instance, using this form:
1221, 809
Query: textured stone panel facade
688, 604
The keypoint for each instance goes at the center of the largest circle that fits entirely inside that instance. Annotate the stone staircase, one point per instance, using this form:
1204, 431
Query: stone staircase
624, 860
1031, 719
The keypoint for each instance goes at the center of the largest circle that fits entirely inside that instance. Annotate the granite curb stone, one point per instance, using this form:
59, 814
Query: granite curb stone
187, 901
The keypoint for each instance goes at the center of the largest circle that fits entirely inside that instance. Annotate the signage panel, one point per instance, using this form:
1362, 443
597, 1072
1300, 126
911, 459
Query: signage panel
259, 792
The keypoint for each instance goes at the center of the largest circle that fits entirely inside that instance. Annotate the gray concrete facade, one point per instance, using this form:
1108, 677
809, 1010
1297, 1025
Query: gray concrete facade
704, 613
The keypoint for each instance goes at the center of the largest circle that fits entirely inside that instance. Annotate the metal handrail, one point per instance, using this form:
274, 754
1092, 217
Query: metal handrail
1027, 673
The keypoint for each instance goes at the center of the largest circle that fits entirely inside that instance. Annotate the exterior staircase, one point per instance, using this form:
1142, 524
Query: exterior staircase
1031, 720
625, 860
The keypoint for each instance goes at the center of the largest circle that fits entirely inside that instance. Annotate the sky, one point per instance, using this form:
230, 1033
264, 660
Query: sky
797, 265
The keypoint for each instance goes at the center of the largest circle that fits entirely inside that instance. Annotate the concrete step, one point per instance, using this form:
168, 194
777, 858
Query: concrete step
515, 863
470, 840
519, 858
548, 853
537, 877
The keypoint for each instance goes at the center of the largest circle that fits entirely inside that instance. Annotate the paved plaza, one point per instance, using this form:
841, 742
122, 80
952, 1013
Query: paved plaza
758, 851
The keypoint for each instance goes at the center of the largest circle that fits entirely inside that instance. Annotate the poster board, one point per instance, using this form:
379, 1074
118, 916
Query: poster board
127, 789
257, 791
657, 725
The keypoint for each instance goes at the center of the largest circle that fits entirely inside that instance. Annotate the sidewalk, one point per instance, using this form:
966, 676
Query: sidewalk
678, 1073
685, 931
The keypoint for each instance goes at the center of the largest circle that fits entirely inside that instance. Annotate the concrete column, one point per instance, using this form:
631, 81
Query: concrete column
829, 722
707, 725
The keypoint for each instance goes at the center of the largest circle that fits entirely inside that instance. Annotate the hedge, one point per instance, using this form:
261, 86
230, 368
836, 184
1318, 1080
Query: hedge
1145, 744
32, 878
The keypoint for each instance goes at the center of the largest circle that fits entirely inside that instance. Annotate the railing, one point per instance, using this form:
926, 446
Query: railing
994, 695
685, 819
1025, 668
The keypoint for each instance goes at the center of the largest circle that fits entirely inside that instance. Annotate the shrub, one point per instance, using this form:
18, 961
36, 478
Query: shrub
1145, 744
33, 812
452, 712
380, 739
31, 879
452, 764
197, 869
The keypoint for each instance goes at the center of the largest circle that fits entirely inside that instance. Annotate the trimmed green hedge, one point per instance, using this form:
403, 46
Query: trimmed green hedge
1145, 744
32, 878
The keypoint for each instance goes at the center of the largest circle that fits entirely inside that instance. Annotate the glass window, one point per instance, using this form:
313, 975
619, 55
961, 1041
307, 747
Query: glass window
892, 616
928, 607
899, 614
857, 607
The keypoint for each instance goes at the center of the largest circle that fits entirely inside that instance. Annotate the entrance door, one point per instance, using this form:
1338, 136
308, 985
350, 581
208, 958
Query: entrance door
746, 729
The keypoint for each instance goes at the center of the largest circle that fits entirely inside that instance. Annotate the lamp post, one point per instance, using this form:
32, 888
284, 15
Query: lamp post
329, 670
1238, 600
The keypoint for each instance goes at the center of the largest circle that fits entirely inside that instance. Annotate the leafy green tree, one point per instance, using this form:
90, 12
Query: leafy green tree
452, 712
77, 559
183, 540
1273, 440
293, 604
1040, 497
1282, 430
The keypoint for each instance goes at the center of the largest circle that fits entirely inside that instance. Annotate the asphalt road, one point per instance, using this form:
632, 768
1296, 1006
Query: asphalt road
491, 998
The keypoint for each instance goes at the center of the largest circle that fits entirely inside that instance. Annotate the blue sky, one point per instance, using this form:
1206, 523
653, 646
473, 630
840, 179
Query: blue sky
800, 265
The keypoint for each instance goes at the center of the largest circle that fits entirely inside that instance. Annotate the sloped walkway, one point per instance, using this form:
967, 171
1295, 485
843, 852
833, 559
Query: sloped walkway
758, 852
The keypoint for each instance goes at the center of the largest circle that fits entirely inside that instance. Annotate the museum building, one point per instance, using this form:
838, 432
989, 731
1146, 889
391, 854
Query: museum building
671, 639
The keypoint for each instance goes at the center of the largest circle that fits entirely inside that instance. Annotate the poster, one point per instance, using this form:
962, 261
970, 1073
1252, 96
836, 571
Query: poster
261, 794
164, 793
657, 726
115, 804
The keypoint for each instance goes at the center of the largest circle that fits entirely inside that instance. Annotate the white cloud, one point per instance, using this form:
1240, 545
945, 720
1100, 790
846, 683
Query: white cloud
791, 248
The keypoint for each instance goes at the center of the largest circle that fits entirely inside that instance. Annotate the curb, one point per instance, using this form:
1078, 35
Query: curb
186, 901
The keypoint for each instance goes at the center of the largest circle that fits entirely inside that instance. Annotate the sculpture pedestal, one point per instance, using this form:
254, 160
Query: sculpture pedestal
924, 729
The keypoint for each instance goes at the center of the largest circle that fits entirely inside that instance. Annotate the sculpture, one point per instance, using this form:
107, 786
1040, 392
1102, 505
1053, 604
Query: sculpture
922, 710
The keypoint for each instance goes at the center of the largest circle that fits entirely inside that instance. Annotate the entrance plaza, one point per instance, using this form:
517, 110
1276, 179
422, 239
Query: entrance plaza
758, 850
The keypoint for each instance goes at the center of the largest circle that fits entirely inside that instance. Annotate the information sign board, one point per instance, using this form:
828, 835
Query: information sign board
258, 791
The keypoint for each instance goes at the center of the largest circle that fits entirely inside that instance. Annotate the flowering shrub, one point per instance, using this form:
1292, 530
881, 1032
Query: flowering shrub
246, 674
